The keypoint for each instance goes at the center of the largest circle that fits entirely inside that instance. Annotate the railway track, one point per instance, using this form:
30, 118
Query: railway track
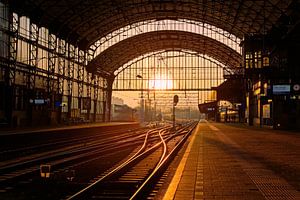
13, 152
104, 162
134, 178
74, 152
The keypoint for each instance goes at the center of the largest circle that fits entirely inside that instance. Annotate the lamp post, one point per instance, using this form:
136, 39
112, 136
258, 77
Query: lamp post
142, 98
175, 101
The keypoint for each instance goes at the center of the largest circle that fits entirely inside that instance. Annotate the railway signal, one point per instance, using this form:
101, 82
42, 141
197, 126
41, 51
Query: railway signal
175, 100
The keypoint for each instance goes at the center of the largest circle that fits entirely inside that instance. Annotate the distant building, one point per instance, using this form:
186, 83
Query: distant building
117, 101
121, 111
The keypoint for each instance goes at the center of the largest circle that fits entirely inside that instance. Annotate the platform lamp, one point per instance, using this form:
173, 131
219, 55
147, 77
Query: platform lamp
175, 101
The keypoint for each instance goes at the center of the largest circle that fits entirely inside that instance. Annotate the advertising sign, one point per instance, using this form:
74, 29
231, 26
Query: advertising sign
266, 111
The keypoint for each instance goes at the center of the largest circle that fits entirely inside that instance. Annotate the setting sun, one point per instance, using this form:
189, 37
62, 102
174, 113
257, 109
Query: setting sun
161, 83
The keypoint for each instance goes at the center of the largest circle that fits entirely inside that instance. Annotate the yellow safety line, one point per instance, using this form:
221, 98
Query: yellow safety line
170, 194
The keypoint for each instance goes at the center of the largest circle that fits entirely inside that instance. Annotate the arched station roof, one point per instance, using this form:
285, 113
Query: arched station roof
82, 22
121, 53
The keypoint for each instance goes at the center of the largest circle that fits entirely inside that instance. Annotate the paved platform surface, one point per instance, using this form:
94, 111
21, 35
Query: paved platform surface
11, 131
231, 162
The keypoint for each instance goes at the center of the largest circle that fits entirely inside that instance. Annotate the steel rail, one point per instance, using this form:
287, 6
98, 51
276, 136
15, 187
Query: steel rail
85, 151
63, 142
140, 154
134, 157
142, 190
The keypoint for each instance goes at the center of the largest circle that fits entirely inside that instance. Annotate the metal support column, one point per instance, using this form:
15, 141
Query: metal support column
10, 72
104, 99
13, 48
33, 63
89, 92
96, 92
107, 110
61, 73
261, 96
51, 76
250, 106
71, 55
33, 60
80, 77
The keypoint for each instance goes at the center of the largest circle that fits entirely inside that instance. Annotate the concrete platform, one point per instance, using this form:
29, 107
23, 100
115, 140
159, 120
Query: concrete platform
27, 130
234, 162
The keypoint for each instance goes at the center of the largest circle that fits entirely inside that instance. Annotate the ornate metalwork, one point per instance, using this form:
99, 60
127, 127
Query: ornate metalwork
70, 72
61, 66
117, 55
33, 60
173, 25
51, 64
96, 95
13, 48
80, 75
86, 21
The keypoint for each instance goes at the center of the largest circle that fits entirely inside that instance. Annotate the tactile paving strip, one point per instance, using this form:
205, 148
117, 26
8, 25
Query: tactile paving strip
269, 184
199, 193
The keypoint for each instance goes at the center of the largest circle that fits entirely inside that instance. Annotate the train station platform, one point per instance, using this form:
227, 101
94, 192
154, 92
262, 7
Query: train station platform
225, 161
62, 128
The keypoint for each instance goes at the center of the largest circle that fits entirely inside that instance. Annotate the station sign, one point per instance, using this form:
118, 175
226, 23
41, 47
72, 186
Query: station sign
210, 109
281, 89
39, 101
60, 104
223, 109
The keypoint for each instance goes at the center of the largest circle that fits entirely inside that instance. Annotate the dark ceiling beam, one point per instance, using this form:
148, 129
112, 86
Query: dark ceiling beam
237, 13
82, 22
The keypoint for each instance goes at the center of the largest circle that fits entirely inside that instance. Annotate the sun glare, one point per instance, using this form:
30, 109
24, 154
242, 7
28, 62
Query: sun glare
161, 83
